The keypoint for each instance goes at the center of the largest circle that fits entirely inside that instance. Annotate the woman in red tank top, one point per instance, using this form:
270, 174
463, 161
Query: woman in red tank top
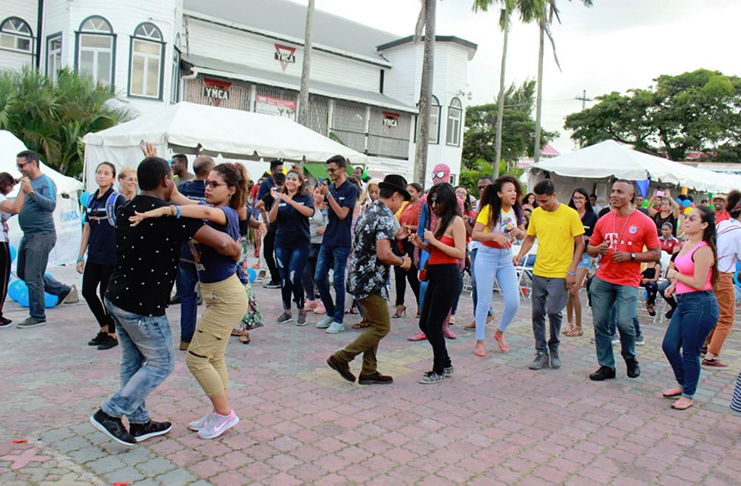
446, 246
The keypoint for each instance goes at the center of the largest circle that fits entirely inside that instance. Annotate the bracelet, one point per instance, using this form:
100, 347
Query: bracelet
571, 273
178, 210
80, 260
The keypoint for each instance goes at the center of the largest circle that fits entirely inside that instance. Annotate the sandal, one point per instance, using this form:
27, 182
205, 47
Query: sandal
672, 393
681, 405
401, 310
361, 325
577, 332
237, 332
245, 338
501, 342
569, 329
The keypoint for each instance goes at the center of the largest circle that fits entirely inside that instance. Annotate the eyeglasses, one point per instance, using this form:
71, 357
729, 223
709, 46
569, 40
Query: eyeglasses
579, 198
129, 179
214, 184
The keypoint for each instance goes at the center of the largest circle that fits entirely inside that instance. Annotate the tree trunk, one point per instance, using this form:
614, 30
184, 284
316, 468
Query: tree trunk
303, 103
539, 100
500, 101
425, 94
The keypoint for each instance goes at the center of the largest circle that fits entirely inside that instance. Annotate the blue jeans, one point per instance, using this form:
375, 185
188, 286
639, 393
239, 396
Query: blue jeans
336, 257
695, 317
33, 256
474, 292
625, 299
496, 263
291, 263
310, 270
187, 284
147, 359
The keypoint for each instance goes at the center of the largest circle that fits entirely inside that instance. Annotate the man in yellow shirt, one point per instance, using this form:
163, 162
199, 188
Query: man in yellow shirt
560, 247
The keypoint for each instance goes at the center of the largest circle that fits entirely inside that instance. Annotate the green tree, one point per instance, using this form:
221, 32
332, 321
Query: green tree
529, 11
697, 110
518, 128
482, 168
52, 118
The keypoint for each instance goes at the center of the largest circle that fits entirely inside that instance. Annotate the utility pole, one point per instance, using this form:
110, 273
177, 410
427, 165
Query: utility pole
584, 100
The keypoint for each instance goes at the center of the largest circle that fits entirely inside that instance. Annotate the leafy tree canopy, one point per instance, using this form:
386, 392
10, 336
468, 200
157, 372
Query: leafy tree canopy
518, 128
694, 111
51, 119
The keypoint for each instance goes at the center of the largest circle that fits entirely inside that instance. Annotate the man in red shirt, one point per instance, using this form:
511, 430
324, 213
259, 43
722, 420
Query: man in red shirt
619, 236
719, 203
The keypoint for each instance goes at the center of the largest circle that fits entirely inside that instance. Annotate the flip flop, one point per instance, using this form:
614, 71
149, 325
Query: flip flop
680, 405
502, 343
672, 393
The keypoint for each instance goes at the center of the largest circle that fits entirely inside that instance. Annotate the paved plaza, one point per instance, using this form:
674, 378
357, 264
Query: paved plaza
493, 423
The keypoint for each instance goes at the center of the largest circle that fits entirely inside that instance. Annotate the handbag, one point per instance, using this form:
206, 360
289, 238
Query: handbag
422, 276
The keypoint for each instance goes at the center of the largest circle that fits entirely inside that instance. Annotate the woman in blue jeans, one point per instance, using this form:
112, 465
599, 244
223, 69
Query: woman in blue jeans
292, 209
692, 275
499, 223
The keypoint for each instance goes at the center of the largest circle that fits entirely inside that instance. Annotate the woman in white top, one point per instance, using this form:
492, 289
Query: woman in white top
7, 210
499, 223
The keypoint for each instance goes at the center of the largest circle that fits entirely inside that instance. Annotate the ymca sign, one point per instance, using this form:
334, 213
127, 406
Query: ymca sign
285, 55
216, 90
390, 119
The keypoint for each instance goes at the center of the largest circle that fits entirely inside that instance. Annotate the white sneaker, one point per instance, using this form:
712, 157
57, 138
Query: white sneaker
217, 425
615, 340
324, 323
335, 328
201, 422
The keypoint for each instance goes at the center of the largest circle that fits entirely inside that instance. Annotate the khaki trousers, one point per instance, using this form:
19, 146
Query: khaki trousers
726, 296
376, 311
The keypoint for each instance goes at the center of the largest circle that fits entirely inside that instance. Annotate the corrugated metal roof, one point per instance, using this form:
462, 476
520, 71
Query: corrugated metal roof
289, 18
217, 67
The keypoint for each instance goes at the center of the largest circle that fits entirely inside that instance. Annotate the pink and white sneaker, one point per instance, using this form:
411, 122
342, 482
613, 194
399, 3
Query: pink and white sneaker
420, 336
320, 309
309, 305
218, 425
201, 422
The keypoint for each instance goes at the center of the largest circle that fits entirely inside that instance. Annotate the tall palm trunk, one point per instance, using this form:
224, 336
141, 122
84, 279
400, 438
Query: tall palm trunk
539, 99
500, 100
303, 105
425, 93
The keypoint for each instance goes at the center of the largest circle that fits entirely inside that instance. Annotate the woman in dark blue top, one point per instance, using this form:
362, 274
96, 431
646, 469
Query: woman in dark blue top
292, 209
99, 240
223, 293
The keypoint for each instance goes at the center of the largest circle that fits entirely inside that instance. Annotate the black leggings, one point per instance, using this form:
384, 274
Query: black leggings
96, 276
437, 304
4, 273
268, 251
402, 276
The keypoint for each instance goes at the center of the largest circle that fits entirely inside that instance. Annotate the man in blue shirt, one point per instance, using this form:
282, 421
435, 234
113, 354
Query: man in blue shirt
268, 243
340, 197
39, 237
187, 278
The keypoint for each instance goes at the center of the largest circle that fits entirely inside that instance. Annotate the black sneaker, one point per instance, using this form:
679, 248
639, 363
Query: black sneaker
272, 285
5, 322
113, 428
69, 297
150, 429
603, 373
301, 318
31, 322
107, 342
375, 379
634, 371
284, 318
97, 339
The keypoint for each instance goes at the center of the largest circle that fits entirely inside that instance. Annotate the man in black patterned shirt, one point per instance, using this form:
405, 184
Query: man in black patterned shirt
375, 232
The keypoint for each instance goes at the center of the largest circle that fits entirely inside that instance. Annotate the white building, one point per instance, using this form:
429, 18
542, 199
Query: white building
248, 55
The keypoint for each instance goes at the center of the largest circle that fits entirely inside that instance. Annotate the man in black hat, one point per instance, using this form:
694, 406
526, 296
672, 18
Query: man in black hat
375, 232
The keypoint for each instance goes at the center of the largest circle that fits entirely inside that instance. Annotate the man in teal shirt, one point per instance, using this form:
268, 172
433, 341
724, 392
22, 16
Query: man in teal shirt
36, 219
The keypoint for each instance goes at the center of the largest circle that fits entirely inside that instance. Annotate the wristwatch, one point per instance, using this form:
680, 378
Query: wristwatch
632, 256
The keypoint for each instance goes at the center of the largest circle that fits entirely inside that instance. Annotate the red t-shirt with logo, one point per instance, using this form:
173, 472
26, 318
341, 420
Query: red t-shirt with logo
628, 233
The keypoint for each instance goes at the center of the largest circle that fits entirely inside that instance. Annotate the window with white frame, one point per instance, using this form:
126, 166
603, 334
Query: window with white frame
53, 56
16, 35
96, 47
453, 132
433, 135
145, 71
175, 83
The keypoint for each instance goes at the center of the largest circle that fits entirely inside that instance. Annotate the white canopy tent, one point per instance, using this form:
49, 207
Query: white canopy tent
67, 220
595, 166
198, 129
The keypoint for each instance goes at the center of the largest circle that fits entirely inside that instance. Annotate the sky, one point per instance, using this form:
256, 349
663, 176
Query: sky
614, 45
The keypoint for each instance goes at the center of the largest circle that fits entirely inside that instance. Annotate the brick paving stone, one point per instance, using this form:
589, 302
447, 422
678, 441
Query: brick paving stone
302, 424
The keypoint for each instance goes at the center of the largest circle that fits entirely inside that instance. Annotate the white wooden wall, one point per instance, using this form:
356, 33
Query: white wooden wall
25, 9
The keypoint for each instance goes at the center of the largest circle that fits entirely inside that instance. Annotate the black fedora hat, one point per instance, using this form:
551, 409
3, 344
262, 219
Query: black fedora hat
396, 183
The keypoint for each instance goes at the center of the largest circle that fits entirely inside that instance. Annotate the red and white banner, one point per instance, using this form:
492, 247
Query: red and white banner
270, 105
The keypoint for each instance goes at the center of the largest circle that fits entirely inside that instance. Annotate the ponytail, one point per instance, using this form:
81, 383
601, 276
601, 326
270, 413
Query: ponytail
235, 175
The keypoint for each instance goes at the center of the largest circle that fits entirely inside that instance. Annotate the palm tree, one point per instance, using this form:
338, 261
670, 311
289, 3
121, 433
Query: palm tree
529, 11
303, 102
426, 22
546, 20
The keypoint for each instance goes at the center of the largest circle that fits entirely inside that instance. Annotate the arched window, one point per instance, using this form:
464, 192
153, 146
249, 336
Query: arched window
16, 35
145, 67
453, 132
434, 135
96, 49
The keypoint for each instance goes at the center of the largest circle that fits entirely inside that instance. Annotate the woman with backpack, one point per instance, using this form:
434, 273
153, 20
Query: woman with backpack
99, 241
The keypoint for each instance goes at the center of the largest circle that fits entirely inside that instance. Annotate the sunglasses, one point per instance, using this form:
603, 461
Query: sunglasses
692, 217
20, 166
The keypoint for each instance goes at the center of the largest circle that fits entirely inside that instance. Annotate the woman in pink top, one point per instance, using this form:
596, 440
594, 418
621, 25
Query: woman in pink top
692, 275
